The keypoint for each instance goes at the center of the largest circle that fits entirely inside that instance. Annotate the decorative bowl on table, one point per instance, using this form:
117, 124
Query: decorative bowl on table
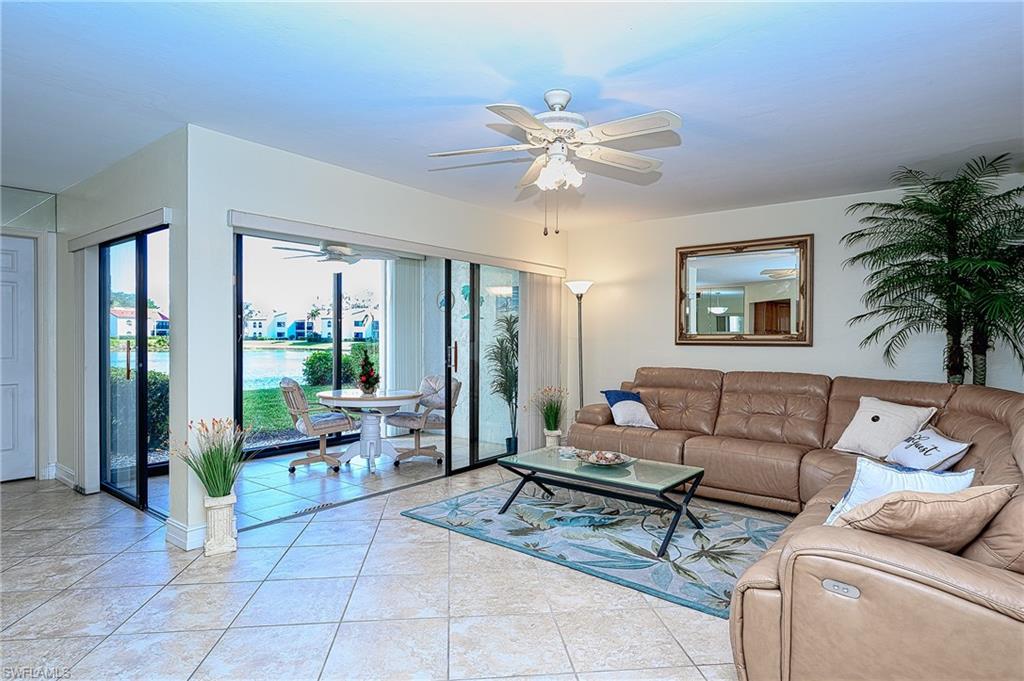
603, 458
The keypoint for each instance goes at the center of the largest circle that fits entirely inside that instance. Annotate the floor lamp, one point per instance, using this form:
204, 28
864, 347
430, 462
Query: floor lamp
579, 287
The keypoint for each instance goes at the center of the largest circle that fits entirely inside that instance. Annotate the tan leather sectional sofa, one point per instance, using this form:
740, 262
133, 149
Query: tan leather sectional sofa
765, 439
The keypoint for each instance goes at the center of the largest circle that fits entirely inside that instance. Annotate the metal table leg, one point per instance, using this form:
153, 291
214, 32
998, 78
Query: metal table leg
516, 491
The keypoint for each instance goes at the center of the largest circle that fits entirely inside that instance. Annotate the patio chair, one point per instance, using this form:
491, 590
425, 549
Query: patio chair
429, 415
314, 420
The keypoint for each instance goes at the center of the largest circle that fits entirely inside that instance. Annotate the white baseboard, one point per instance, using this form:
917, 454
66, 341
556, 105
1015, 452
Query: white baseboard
48, 472
65, 475
184, 537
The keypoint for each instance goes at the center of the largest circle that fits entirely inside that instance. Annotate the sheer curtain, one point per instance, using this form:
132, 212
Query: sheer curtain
540, 332
402, 349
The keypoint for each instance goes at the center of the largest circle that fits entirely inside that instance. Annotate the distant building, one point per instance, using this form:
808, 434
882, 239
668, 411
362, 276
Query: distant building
327, 327
157, 323
255, 327
122, 322
299, 329
278, 327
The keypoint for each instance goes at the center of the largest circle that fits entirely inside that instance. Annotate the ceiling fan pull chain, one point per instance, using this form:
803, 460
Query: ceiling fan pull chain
545, 213
557, 204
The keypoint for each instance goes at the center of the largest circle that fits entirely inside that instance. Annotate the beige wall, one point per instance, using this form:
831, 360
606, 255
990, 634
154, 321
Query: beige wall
628, 314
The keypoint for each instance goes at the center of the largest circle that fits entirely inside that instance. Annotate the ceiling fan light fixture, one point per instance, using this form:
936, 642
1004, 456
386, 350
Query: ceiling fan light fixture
559, 173
718, 310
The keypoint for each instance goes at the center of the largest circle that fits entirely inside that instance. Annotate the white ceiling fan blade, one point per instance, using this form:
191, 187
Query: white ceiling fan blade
308, 255
618, 158
517, 115
297, 250
656, 121
484, 150
533, 172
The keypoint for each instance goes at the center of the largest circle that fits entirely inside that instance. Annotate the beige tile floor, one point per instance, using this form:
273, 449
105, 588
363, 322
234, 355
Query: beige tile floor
267, 491
90, 589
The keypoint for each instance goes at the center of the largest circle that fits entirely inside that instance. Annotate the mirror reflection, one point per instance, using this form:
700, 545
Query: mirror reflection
748, 292
745, 293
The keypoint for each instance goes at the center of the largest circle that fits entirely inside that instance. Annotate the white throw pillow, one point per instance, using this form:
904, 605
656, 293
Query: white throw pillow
878, 426
628, 413
873, 480
928, 450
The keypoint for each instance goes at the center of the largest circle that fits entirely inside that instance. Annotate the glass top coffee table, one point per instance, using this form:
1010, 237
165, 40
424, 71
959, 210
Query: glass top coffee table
643, 482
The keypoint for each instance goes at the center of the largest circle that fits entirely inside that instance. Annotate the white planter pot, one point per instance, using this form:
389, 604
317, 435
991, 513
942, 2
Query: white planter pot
221, 531
552, 438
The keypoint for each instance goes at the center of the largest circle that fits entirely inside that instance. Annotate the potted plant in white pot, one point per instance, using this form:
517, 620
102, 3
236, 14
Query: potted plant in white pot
215, 453
549, 401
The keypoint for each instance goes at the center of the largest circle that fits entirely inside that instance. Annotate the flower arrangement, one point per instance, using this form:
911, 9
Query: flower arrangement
549, 401
216, 454
369, 379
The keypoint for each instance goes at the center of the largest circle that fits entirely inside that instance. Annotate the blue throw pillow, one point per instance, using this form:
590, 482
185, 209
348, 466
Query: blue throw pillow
616, 396
628, 409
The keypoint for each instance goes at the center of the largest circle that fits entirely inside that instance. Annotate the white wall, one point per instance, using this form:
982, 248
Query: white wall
628, 314
154, 177
226, 173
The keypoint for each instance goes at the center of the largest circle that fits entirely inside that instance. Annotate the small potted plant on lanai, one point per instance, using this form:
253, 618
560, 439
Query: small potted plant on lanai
216, 453
369, 379
549, 401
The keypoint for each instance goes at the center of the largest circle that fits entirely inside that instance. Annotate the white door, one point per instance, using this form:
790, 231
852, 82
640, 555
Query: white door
17, 358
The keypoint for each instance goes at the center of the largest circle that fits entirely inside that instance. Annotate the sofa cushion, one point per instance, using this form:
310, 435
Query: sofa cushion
774, 407
844, 399
947, 522
680, 399
819, 467
643, 443
766, 468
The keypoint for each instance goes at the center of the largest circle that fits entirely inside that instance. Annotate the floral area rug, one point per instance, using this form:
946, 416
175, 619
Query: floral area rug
617, 540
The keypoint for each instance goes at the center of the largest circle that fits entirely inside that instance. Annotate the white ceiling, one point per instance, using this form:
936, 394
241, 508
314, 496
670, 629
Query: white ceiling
779, 102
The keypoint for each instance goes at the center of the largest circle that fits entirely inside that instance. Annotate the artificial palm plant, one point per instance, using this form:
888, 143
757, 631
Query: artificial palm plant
503, 357
947, 257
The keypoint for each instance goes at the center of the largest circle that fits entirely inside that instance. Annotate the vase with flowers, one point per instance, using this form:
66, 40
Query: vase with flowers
216, 453
369, 378
550, 401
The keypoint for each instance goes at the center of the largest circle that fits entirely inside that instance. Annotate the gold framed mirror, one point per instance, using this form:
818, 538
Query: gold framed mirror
756, 292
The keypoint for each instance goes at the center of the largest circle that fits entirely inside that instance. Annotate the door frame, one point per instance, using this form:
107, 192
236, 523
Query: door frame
141, 498
46, 465
475, 366
336, 342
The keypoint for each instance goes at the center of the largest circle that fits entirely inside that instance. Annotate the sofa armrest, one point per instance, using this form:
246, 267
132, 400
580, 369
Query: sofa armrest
595, 415
989, 587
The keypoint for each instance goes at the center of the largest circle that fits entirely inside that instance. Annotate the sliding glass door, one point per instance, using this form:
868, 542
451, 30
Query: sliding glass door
483, 358
134, 360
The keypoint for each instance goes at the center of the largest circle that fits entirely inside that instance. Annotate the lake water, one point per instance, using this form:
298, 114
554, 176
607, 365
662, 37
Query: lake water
260, 368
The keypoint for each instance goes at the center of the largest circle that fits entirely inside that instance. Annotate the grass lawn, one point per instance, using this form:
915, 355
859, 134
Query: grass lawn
286, 344
264, 410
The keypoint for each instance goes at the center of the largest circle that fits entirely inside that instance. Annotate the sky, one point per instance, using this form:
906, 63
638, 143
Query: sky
270, 281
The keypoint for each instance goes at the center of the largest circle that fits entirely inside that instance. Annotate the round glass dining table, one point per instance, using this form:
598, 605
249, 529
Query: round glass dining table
371, 408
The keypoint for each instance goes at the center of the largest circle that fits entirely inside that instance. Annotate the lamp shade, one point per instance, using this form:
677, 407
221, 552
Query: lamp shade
579, 286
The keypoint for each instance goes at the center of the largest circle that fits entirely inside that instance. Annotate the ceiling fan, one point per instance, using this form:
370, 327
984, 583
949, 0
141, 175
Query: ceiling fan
564, 134
328, 251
